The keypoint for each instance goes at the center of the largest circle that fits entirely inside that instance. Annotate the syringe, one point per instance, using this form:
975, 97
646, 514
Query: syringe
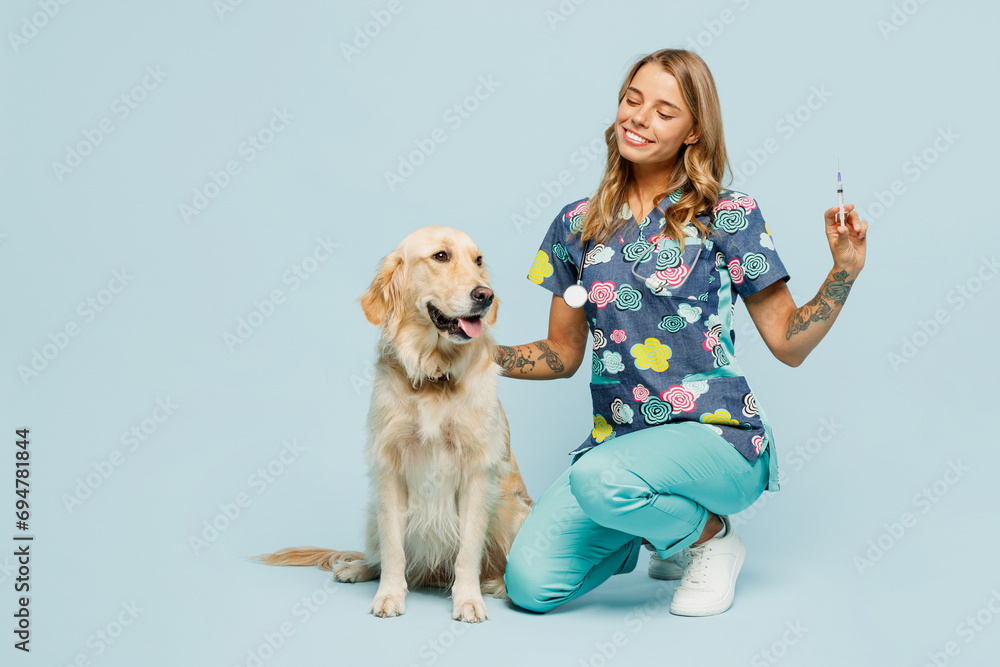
840, 195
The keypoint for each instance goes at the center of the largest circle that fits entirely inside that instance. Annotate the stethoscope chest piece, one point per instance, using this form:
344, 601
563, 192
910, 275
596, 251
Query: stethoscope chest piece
575, 295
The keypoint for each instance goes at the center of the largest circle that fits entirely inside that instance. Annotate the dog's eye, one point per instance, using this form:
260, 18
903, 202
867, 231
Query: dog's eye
479, 260
441, 256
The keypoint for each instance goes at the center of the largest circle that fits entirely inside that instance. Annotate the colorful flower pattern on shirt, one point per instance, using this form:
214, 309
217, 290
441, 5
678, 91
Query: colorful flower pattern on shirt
664, 343
602, 293
602, 429
541, 269
612, 362
652, 354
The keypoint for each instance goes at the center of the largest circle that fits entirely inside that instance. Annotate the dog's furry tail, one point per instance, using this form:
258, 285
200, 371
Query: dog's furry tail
495, 588
324, 559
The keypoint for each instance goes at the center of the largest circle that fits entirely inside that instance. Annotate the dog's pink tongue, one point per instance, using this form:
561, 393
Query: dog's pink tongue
472, 328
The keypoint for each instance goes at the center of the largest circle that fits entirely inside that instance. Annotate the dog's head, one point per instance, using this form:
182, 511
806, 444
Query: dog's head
435, 277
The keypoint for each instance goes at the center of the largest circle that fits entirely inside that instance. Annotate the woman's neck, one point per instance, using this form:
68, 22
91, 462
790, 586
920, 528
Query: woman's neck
647, 182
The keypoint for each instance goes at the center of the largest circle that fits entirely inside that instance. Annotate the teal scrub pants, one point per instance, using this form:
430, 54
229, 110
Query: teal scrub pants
658, 483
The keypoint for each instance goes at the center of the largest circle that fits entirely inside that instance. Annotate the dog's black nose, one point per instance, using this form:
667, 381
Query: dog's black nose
482, 295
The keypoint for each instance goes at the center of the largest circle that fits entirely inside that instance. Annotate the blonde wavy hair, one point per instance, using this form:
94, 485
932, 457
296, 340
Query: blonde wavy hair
699, 171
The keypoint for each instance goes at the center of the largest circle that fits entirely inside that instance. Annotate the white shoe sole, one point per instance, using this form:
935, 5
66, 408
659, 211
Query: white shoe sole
664, 576
726, 603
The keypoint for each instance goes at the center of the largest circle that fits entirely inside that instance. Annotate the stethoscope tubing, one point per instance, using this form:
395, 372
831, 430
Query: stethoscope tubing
645, 280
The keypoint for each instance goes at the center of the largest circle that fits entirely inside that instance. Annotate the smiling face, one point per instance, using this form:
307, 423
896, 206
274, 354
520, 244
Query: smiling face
653, 108
448, 281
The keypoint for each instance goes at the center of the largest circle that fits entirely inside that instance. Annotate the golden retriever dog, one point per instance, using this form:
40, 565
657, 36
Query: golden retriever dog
447, 496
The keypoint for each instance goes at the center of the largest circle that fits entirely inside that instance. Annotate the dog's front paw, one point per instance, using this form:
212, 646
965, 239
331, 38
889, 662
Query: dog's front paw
469, 610
388, 604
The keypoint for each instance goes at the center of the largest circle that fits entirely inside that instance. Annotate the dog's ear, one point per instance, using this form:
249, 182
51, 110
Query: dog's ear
383, 294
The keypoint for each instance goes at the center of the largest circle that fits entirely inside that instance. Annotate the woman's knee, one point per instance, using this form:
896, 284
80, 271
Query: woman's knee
602, 486
526, 584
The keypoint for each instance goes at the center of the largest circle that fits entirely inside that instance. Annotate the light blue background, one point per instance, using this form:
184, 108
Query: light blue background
301, 375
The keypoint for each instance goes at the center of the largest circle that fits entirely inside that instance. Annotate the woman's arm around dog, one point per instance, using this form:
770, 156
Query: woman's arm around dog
557, 356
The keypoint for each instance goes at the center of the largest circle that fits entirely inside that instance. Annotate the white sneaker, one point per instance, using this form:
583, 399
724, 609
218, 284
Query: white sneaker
709, 582
671, 567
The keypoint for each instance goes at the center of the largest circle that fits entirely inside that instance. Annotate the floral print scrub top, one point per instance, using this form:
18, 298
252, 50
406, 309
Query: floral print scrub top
665, 354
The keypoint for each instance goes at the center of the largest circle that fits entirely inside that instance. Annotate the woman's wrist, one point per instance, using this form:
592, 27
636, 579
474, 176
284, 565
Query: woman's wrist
849, 272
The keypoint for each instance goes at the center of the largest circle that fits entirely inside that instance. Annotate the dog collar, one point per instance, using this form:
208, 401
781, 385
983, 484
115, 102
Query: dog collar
443, 377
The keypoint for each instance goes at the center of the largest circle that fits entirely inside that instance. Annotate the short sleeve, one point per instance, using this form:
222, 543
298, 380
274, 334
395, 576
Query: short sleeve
747, 245
554, 268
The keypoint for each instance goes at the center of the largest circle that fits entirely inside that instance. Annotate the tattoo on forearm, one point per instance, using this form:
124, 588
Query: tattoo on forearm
510, 358
837, 289
550, 357
814, 311
819, 309
505, 356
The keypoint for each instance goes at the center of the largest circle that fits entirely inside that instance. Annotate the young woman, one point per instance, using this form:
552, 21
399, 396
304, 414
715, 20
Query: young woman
678, 441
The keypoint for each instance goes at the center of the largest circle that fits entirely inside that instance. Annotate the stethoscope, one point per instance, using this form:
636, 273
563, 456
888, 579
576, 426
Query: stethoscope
576, 294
